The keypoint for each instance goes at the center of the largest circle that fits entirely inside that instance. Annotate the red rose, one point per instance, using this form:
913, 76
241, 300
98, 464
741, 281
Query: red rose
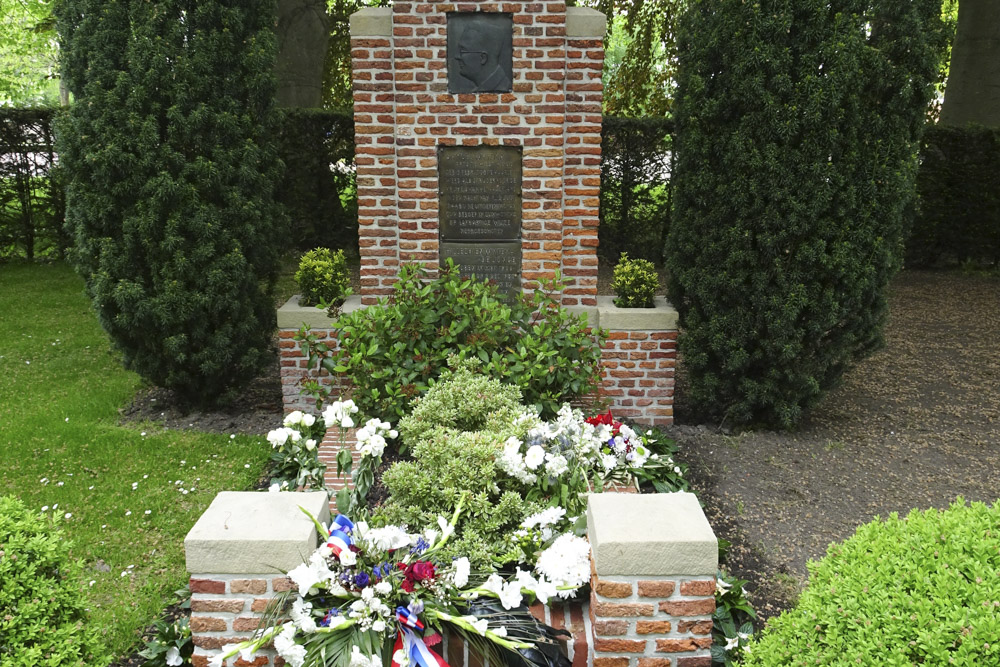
607, 420
422, 570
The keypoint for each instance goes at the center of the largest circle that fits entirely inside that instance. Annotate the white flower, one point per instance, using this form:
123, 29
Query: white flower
340, 413
400, 658
566, 562
383, 588
555, 464
494, 583
293, 418
510, 595
308, 420
274, 488
301, 615
216, 660
360, 660
480, 625
378, 626
462, 568
534, 457
174, 657
386, 539
608, 462
367, 595
310, 444
446, 528
547, 517
348, 557
284, 643
501, 631
277, 437
721, 586
731, 643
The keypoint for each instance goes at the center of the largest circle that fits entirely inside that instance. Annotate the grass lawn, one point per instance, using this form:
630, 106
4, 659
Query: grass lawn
116, 489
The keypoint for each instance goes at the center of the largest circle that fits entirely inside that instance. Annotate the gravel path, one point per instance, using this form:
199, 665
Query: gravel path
914, 426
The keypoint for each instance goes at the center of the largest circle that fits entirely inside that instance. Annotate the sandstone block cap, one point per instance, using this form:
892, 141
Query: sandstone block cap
372, 22
585, 22
653, 534
661, 317
255, 533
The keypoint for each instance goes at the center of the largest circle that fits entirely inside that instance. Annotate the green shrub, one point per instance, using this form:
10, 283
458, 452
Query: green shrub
635, 283
958, 219
323, 277
921, 590
42, 615
796, 137
393, 352
170, 163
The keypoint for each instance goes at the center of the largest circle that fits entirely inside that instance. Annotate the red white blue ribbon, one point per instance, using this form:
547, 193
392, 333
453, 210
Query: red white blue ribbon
340, 534
411, 644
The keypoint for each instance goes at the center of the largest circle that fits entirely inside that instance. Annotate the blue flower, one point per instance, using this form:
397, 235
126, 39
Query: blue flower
361, 579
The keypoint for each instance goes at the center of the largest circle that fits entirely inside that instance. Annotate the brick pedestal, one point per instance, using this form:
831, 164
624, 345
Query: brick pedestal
236, 553
654, 560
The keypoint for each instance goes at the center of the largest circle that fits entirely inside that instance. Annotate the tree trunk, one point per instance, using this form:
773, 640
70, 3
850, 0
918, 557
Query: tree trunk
972, 94
303, 33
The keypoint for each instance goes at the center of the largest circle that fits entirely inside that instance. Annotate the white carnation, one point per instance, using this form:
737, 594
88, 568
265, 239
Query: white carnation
462, 568
534, 457
566, 562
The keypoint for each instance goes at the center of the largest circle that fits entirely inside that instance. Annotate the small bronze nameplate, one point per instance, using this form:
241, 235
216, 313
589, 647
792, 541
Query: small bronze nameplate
499, 262
480, 52
479, 193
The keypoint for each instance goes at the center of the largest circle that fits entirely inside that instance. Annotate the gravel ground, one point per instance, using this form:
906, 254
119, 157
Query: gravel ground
913, 426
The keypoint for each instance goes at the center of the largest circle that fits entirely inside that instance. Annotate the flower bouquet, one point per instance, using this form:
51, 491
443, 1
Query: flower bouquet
375, 597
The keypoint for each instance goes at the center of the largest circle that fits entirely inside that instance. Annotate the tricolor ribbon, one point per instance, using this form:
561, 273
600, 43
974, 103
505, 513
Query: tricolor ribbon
340, 534
411, 644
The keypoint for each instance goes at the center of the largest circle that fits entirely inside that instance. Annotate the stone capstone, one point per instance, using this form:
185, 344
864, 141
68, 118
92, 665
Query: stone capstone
248, 532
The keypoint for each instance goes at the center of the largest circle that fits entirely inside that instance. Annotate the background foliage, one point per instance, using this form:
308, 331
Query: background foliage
171, 170
958, 219
32, 203
797, 129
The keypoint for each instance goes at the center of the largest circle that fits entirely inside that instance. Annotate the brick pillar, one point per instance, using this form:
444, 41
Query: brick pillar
585, 30
235, 554
654, 560
375, 150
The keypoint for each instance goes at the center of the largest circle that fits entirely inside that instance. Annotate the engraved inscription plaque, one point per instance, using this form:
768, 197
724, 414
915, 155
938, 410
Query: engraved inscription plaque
479, 196
480, 52
499, 262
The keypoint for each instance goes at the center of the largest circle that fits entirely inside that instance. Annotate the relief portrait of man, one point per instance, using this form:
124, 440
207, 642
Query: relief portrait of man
479, 59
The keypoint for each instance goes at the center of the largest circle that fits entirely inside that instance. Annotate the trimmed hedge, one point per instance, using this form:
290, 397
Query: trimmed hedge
171, 169
958, 219
797, 130
922, 590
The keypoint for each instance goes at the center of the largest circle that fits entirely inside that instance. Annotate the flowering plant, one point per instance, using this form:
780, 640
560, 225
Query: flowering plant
368, 596
569, 455
295, 451
732, 622
370, 443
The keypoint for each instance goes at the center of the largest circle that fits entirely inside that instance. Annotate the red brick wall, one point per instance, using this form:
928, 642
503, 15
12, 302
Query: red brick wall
403, 112
639, 375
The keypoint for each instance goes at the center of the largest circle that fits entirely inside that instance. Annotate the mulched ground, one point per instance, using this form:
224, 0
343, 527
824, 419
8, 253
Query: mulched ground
914, 426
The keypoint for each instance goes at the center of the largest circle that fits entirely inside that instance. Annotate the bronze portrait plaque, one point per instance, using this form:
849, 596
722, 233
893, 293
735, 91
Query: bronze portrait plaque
479, 193
480, 52
499, 262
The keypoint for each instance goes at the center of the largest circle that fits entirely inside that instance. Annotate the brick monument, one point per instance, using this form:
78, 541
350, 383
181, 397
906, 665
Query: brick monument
478, 138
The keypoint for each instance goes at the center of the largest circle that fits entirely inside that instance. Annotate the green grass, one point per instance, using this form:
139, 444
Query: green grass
61, 386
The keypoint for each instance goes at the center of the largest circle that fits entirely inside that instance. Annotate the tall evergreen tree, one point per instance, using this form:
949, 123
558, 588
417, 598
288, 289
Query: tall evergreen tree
171, 166
797, 128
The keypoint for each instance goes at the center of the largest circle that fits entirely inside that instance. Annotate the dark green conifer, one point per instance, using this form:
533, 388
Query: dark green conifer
171, 166
797, 130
